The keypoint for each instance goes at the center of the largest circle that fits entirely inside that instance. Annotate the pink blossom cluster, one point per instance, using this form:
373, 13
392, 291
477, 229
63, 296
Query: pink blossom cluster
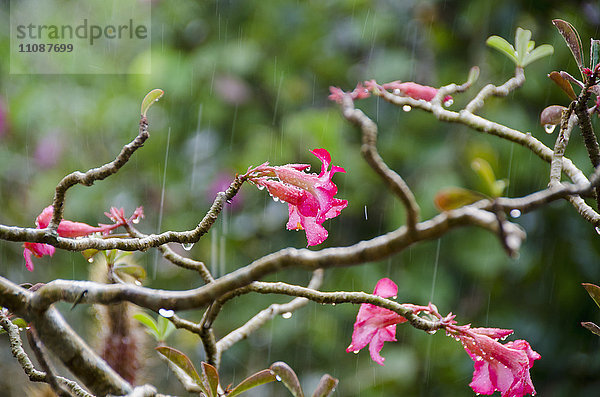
407, 89
72, 229
497, 366
310, 197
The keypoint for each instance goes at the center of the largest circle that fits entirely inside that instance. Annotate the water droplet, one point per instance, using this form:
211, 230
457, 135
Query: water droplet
136, 221
598, 229
187, 246
432, 332
287, 315
396, 91
278, 378
276, 199
449, 102
355, 351
137, 282
515, 213
260, 187
406, 108
549, 128
90, 260
333, 304
395, 297
166, 313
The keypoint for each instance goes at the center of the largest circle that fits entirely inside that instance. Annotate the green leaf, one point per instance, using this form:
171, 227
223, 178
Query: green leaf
135, 271
542, 51
326, 386
503, 46
591, 327
455, 197
165, 328
19, 322
212, 378
594, 53
564, 84
150, 98
594, 292
183, 362
473, 75
288, 377
259, 378
486, 174
572, 39
150, 324
522, 37
89, 254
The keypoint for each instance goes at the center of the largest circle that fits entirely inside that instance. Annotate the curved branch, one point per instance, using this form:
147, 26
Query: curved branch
95, 174
492, 90
371, 155
19, 234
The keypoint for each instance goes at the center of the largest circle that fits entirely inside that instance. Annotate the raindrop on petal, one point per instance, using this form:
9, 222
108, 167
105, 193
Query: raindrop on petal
406, 108
166, 313
396, 91
549, 128
515, 213
260, 187
355, 351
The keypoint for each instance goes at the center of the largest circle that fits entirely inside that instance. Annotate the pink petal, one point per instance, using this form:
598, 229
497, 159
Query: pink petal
386, 288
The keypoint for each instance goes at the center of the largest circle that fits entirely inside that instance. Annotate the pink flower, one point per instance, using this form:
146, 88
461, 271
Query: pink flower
310, 197
375, 325
72, 229
414, 90
497, 367
337, 94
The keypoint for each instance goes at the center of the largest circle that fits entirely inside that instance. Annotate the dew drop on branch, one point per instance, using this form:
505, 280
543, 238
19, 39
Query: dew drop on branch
287, 315
449, 102
187, 246
515, 213
598, 229
406, 108
549, 128
166, 313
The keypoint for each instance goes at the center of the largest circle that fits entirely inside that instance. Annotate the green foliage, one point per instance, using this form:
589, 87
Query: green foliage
525, 52
160, 328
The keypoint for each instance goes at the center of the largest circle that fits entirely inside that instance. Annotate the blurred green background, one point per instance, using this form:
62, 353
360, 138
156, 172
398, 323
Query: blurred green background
247, 82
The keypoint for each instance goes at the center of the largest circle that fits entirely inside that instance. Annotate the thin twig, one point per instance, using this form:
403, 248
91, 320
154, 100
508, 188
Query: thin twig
371, 155
12, 233
51, 379
16, 348
96, 174
567, 123
492, 90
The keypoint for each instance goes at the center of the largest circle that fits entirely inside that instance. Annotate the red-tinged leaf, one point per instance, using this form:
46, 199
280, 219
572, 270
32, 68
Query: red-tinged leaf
288, 377
552, 115
564, 84
594, 53
572, 39
591, 327
259, 378
594, 292
326, 386
455, 197
212, 377
181, 361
